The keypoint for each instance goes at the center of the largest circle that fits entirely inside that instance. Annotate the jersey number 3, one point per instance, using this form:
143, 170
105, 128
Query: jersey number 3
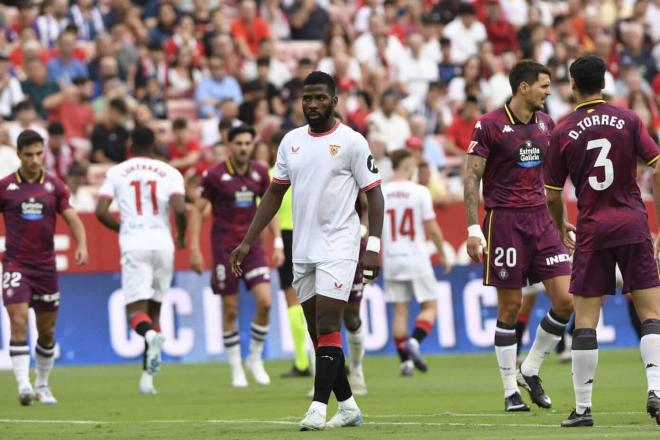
153, 185
407, 226
601, 161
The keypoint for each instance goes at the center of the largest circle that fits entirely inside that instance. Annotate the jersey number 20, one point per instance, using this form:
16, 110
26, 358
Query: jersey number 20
407, 226
601, 161
153, 185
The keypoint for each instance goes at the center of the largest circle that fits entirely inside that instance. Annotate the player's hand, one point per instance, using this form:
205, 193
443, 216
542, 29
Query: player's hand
476, 249
82, 256
196, 261
444, 263
180, 242
278, 257
370, 265
237, 256
568, 237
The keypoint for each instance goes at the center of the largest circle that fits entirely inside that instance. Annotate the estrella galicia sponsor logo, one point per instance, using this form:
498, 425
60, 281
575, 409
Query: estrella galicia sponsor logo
530, 155
32, 209
371, 164
244, 198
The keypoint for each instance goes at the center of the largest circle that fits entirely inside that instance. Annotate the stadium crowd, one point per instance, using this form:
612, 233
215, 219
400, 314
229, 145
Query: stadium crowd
411, 74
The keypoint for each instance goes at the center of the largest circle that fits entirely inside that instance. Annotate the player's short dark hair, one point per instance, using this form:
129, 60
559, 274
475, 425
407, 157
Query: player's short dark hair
179, 124
27, 138
526, 71
119, 105
398, 156
55, 129
588, 72
142, 139
318, 77
244, 128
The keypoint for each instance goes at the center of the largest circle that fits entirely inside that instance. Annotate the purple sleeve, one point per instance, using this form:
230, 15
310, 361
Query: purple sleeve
63, 197
646, 147
554, 168
480, 142
208, 192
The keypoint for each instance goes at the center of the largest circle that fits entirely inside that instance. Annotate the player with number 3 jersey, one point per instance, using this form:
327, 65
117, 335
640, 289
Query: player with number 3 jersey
598, 146
521, 245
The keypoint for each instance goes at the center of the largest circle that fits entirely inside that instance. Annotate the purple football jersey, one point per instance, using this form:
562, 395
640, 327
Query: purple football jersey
234, 200
30, 211
514, 153
598, 146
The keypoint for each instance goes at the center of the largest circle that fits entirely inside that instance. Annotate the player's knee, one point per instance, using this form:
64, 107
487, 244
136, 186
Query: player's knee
508, 312
264, 304
352, 322
563, 308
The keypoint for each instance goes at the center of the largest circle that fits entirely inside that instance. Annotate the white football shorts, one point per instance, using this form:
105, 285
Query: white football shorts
332, 279
423, 287
146, 274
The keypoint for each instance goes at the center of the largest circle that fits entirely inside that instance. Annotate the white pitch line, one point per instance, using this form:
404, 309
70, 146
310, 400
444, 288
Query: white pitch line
452, 414
59, 422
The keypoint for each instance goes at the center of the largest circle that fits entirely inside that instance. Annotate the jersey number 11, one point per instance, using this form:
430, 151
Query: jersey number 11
153, 185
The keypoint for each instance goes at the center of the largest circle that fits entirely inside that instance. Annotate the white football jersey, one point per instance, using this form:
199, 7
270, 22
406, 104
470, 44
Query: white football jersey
405, 254
326, 172
142, 188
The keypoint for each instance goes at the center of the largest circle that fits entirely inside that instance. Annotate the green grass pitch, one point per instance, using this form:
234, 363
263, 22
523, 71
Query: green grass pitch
459, 397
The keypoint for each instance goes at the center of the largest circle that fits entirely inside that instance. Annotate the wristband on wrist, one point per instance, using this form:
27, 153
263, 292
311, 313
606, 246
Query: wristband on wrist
475, 231
373, 244
278, 243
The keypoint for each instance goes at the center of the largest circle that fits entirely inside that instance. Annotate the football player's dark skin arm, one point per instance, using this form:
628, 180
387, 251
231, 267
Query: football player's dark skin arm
475, 171
103, 214
178, 204
376, 211
364, 209
268, 207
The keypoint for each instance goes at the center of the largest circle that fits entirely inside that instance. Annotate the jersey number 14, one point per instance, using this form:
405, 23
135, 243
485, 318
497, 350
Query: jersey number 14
153, 186
407, 226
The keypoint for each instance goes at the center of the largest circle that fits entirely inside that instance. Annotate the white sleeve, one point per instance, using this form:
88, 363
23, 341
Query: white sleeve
176, 185
363, 164
428, 213
281, 169
108, 187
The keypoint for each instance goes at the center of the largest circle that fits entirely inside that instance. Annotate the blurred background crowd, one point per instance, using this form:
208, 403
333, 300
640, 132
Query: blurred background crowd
413, 74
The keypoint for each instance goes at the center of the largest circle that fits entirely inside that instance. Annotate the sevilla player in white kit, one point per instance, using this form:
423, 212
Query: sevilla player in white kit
144, 189
326, 164
407, 269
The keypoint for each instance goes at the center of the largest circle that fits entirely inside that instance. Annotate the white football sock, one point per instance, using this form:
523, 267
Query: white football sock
19, 353
257, 340
548, 335
505, 350
650, 349
232, 347
355, 348
45, 360
584, 354
319, 406
349, 403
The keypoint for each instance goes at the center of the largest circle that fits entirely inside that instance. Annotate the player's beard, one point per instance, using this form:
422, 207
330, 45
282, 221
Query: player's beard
319, 123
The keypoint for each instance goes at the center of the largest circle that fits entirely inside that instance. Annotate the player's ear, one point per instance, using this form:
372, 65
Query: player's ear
572, 84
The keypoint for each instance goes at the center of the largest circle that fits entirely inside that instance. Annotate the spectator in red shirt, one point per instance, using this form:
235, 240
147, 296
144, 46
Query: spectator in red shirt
75, 111
184, 152
248, 29
185, 36
459, 132
500, 31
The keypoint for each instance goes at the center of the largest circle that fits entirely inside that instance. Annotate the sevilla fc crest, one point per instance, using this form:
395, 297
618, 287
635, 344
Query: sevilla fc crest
334, 149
